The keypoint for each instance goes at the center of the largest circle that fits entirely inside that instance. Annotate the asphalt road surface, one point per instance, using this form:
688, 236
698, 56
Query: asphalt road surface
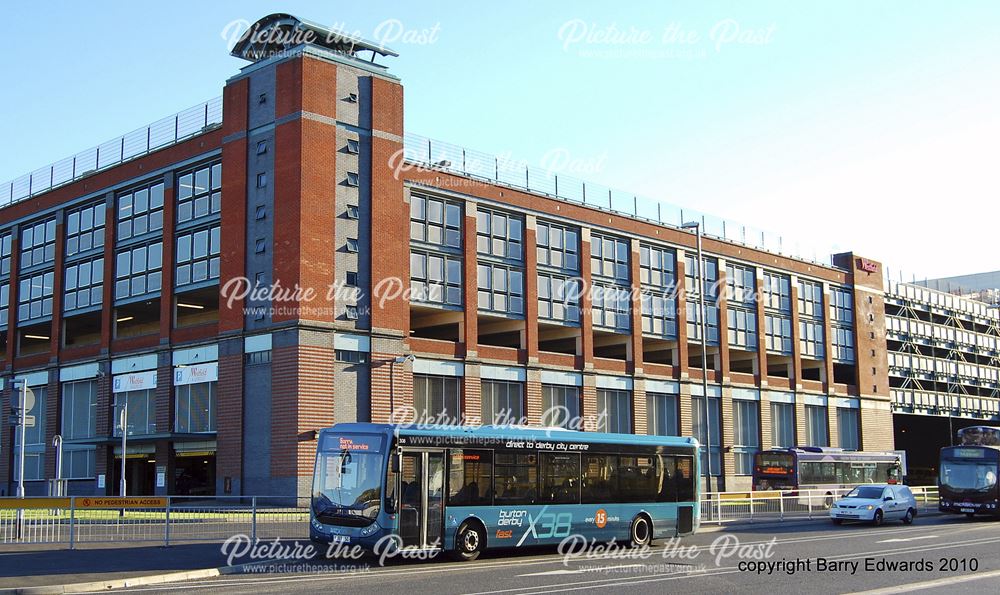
935, 553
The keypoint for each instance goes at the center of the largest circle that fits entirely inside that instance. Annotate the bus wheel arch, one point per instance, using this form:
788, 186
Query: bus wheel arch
641, 530
470, 539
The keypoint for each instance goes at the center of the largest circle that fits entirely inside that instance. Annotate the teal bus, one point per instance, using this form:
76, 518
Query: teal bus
463, 490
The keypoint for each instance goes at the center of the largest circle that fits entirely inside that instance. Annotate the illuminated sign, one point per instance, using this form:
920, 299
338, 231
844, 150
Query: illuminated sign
356, 443
967, 453
866, 265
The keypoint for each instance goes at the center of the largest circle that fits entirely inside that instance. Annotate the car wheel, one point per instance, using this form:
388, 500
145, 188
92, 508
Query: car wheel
837, 521
908, 517
641, 532
877, 518
469, 542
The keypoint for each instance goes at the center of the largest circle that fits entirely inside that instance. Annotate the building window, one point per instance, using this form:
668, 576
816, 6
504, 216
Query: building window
199, 193
609, 258
614, 411
662, 414
610, 307
198, 256
558, 246
79, 462
499, 235
351, 357
816, 426
33, 439
842, 343
353, 212
742, 328
746, 434
699, 431
352, 245
777, 333
741, 286
260, 213
435, 279
261, 147
841, 305
711, 322
257, 358
691, 277
5, 248
659, 316
84, 285
138, 271
558, 298
810, 299
352, 278
85, 229
141, 417
260, 245
353, 146
140, 211
561, 406
195, 408
657, 267
35, 297
811, 338
848, 429
353, 179
502, 402
38, 243
501, 289
79, 409
262, 180
436, 398
4, 304
777, 292
782, 425
434, 221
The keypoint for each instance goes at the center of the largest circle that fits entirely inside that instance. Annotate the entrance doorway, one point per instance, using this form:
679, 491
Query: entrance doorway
140, 476
194, 474
421, 498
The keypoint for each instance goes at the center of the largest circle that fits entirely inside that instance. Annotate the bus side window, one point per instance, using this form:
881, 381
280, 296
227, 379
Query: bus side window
681, 477
515, 479
470, 477
600, 478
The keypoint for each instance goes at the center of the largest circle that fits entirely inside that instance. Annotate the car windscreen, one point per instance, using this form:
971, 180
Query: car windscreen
866, 492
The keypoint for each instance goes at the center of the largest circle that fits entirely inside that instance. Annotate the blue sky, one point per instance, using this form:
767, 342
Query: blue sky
869, 126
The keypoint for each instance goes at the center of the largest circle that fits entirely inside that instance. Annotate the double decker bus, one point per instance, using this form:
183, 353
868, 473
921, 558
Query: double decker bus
823, 471
967, 481
463, 490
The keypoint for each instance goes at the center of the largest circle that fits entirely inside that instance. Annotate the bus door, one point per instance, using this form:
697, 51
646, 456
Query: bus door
421, 498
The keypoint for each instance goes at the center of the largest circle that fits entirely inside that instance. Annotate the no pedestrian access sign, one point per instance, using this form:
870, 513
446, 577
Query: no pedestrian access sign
110, 502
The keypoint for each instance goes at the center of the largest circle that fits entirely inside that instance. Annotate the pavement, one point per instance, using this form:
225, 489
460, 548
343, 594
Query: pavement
957, 554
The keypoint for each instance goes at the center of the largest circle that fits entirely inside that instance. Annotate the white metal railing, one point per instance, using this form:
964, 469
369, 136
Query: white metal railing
505, 170
179, 519
164, 132
722, 507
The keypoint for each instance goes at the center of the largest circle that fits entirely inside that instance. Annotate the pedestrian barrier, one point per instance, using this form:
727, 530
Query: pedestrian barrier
723, 507
169, 519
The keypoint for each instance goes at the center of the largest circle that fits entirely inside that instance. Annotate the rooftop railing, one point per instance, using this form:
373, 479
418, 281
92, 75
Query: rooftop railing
162, 133
424, 151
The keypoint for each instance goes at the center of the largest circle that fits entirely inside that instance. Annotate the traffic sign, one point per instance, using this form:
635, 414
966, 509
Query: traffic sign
29, 421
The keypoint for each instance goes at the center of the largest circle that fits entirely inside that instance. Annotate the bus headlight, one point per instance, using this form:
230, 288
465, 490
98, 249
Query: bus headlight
372, 528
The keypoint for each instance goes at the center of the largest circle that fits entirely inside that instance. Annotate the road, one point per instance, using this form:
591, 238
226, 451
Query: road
815, 558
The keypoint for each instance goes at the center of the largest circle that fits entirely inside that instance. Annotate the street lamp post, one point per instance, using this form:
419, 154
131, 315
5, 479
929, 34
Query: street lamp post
22, 413
123, 424
696, 226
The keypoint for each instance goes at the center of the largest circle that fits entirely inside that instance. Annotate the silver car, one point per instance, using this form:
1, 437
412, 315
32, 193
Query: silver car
875, 503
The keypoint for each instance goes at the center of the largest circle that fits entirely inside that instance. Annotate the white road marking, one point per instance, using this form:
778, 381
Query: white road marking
941, 582
902, 539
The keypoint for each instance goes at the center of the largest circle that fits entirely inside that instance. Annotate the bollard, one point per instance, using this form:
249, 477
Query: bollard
253, 519
166, 525
751, 506
72, 523
781, 506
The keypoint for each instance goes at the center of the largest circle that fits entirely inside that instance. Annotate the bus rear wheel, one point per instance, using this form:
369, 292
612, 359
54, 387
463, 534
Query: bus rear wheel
641, 532
469, 542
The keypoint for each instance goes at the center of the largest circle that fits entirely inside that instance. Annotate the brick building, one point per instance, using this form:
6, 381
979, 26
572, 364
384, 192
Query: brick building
122, 273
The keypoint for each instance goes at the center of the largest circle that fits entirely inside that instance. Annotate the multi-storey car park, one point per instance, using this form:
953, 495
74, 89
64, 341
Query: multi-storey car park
120, 268
944, 369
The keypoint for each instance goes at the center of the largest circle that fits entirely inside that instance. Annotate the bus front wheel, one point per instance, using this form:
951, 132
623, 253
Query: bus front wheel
469, 542
641, 532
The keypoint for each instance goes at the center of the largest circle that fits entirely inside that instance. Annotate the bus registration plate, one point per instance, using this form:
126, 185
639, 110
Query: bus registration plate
968, 510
